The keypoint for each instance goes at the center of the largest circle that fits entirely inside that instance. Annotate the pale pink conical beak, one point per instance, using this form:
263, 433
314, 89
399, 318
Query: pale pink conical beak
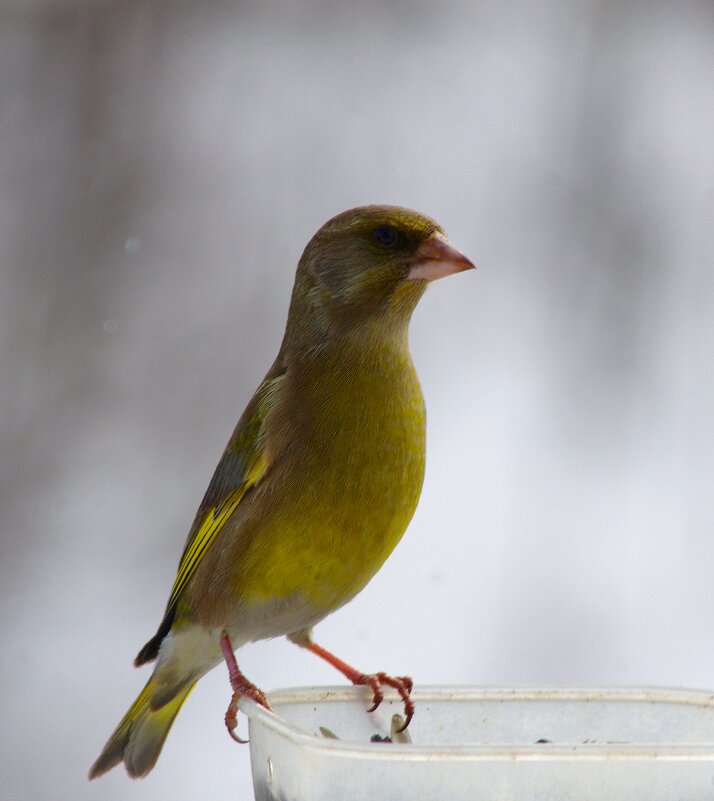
437, 258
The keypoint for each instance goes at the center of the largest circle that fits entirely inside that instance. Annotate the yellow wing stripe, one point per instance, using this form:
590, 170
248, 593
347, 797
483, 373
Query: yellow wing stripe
212, 524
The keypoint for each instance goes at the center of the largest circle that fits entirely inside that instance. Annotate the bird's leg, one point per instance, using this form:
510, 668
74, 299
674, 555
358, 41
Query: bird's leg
240, 686
402, 684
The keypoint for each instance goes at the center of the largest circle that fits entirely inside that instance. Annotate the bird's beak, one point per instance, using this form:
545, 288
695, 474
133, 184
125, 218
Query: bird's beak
436, 258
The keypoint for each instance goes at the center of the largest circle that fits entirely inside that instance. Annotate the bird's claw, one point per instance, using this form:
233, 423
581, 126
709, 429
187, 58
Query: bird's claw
231, 717
240, 686
402, 684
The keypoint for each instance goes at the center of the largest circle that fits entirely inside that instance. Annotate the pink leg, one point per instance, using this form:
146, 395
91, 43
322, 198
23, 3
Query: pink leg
402, 684
240, 686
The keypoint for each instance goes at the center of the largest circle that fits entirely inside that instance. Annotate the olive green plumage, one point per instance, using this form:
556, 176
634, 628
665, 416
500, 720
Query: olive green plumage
321, 475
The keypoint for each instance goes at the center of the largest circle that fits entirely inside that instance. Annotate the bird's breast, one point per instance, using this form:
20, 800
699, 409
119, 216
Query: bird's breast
354, 449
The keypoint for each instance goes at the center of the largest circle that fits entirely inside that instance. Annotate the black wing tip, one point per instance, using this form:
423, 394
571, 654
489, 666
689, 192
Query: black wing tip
151, 650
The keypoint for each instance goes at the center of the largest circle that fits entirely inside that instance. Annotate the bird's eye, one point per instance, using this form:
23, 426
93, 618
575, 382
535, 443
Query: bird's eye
385, 236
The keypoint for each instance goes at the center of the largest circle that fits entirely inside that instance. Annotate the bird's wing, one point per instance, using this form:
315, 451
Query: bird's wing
244, 463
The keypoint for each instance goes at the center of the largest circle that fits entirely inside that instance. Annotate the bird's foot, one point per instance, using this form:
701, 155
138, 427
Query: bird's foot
241, 687
231, 717
375, 681
402, 684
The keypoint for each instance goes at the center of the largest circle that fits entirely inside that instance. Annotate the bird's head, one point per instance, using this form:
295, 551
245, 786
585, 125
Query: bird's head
367, 268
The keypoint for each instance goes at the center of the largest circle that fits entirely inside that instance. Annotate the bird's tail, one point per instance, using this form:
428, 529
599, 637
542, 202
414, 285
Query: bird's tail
139, 737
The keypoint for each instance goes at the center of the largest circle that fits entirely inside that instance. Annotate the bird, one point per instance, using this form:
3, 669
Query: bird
317, 483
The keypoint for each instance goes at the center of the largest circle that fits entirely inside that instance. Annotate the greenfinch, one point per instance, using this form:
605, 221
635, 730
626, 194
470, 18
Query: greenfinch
318, 481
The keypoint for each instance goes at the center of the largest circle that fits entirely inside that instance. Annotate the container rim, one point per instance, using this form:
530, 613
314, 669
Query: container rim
259, 716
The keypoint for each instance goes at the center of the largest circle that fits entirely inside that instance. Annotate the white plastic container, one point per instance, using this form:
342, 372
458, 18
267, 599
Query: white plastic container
495, 744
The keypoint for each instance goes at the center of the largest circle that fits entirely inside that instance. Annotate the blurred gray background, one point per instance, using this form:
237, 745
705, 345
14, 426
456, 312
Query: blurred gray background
164, 163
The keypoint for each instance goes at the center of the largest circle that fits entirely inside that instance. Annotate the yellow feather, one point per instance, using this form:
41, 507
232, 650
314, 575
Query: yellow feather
206, 534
